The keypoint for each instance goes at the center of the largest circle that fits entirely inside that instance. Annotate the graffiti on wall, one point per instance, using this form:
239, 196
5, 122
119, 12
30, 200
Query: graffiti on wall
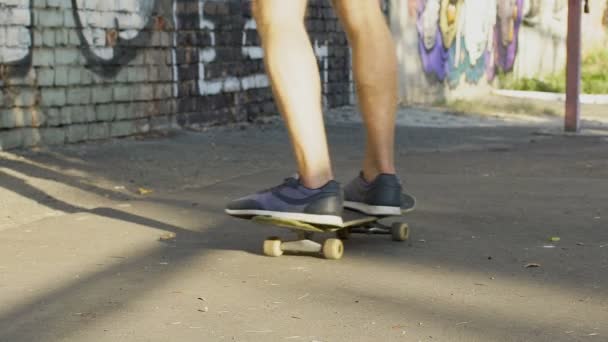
17, 39
208, 54
467, 38
213, 47
245, 70
110, 31
250, 51
548, 15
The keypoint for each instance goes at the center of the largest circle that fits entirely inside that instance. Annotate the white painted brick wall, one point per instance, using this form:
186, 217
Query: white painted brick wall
45, 76
105, 112
43, 57
49, 18
102, 94
67, 56
61, 75
53, 97
122, 93
79, 95
53, 116
73, 82
66, 4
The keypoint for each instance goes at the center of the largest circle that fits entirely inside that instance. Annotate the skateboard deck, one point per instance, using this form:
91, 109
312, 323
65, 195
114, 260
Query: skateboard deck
350, 218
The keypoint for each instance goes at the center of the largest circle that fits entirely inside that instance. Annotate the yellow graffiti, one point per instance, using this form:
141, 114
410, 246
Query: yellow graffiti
449, 20
507, 16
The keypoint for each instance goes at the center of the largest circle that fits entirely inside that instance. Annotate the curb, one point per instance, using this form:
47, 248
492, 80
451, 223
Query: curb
540, 95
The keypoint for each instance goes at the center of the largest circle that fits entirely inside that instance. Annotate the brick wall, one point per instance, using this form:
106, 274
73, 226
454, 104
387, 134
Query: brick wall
76, 70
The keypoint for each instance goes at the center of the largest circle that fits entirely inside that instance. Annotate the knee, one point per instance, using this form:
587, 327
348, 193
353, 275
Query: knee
360, 16
276, 13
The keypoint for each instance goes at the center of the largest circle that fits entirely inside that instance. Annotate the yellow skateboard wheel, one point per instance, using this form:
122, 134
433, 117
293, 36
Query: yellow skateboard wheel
333, 249
400, 231
272, 247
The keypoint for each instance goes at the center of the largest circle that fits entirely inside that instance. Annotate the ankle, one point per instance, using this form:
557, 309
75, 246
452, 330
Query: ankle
315, 181
370, 174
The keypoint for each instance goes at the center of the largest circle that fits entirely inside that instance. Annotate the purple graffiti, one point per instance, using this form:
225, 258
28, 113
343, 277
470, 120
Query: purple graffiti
450, 63
489, 63
434, 58
505, 54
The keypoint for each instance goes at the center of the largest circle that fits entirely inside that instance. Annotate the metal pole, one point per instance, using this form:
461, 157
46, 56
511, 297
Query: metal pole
573, 68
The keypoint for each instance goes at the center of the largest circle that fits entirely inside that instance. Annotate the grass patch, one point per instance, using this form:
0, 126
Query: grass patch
511, 106
494, 104
595, 73
594, 77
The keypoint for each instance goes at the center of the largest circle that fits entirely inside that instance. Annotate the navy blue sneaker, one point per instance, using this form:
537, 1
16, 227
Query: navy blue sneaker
292, 200
383, 196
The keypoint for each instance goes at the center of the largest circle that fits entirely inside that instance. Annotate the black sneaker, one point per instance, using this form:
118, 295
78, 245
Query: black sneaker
383, 196
292, 200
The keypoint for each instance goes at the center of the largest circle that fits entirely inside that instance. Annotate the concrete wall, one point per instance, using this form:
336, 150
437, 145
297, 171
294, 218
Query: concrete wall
456, 48
75, 70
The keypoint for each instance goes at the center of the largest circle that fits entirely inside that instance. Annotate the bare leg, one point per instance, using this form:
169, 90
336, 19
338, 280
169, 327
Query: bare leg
294, 74
375, 70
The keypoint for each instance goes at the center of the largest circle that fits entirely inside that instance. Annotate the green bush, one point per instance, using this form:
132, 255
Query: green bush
595, 72
594, 77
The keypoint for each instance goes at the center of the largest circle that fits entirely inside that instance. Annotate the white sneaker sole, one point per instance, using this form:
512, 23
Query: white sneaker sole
375, 210
326, 220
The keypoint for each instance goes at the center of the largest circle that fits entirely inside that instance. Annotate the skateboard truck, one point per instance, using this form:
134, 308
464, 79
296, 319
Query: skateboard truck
333, 248
399, 231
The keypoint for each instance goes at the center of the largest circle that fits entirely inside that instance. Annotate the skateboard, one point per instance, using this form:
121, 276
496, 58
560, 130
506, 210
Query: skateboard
354, 222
